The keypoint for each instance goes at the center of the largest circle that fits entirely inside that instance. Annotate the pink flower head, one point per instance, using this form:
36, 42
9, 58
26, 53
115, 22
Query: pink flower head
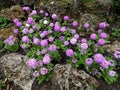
63, 29
52, 48
57, 27
103, 35
15, 20
40, 64
30, 20
101, 41
89, 61
51, 24
84, 46
32, 63
76, 36
99, 58
25, 39
36, 41
19, 24
62, 38
66, 43
93, 36
43, 71
75, 23
69, 53
54, 16
50, 39
16, 31
46, 14
99, 30
73, 41
66, 18
73, 31
31, 30
11, 43
84, 40
46, 59
26, 8
86, 25
102, 25
112, 73
36, 73
111, 63
74, 60
34, 27
104, 64
44, 43
41, 11
25, 31
34, 12
42, 35
44, 51
117, 54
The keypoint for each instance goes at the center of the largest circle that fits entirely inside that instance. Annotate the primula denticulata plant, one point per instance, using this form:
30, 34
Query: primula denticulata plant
48, 41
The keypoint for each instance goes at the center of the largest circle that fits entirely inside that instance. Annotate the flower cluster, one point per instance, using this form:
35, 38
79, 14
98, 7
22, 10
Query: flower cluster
45, 40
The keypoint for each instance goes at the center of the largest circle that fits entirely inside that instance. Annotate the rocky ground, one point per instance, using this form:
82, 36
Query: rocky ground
70, 79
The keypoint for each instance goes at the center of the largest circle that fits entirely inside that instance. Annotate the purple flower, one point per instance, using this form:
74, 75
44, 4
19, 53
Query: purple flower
103, 35
31, 31
52, 48
25, 31
51, 24
73, 31
75, 23
50, 39
62, 38
66, 43
84, 46
46, 59
46, 14
44, 43
89, 61
36, 73
57, 27
43, 71
26, 8
11, 37
99, 30
39, 63
104, 64
86, 25
34, 27
25, 39
32, 63
74, 60
54, 16
41, 11
102, 25
93, 36
44, 51
112, 73
34, 12
101, 41
36, 41
111, 63
69, 53
63, 29
73, 41
19, 24
11, 43
30, 20
117, 55
99, 58
42, 35
84, 40
76, 36
45, 33
66, 18
15, 20
23, 46
16, 31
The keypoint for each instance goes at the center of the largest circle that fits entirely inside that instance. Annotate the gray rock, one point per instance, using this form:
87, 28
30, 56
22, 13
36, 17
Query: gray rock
68, 78
15, 69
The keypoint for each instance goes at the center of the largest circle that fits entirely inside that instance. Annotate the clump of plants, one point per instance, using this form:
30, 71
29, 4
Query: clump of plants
116, 33
48, 41
3, 22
